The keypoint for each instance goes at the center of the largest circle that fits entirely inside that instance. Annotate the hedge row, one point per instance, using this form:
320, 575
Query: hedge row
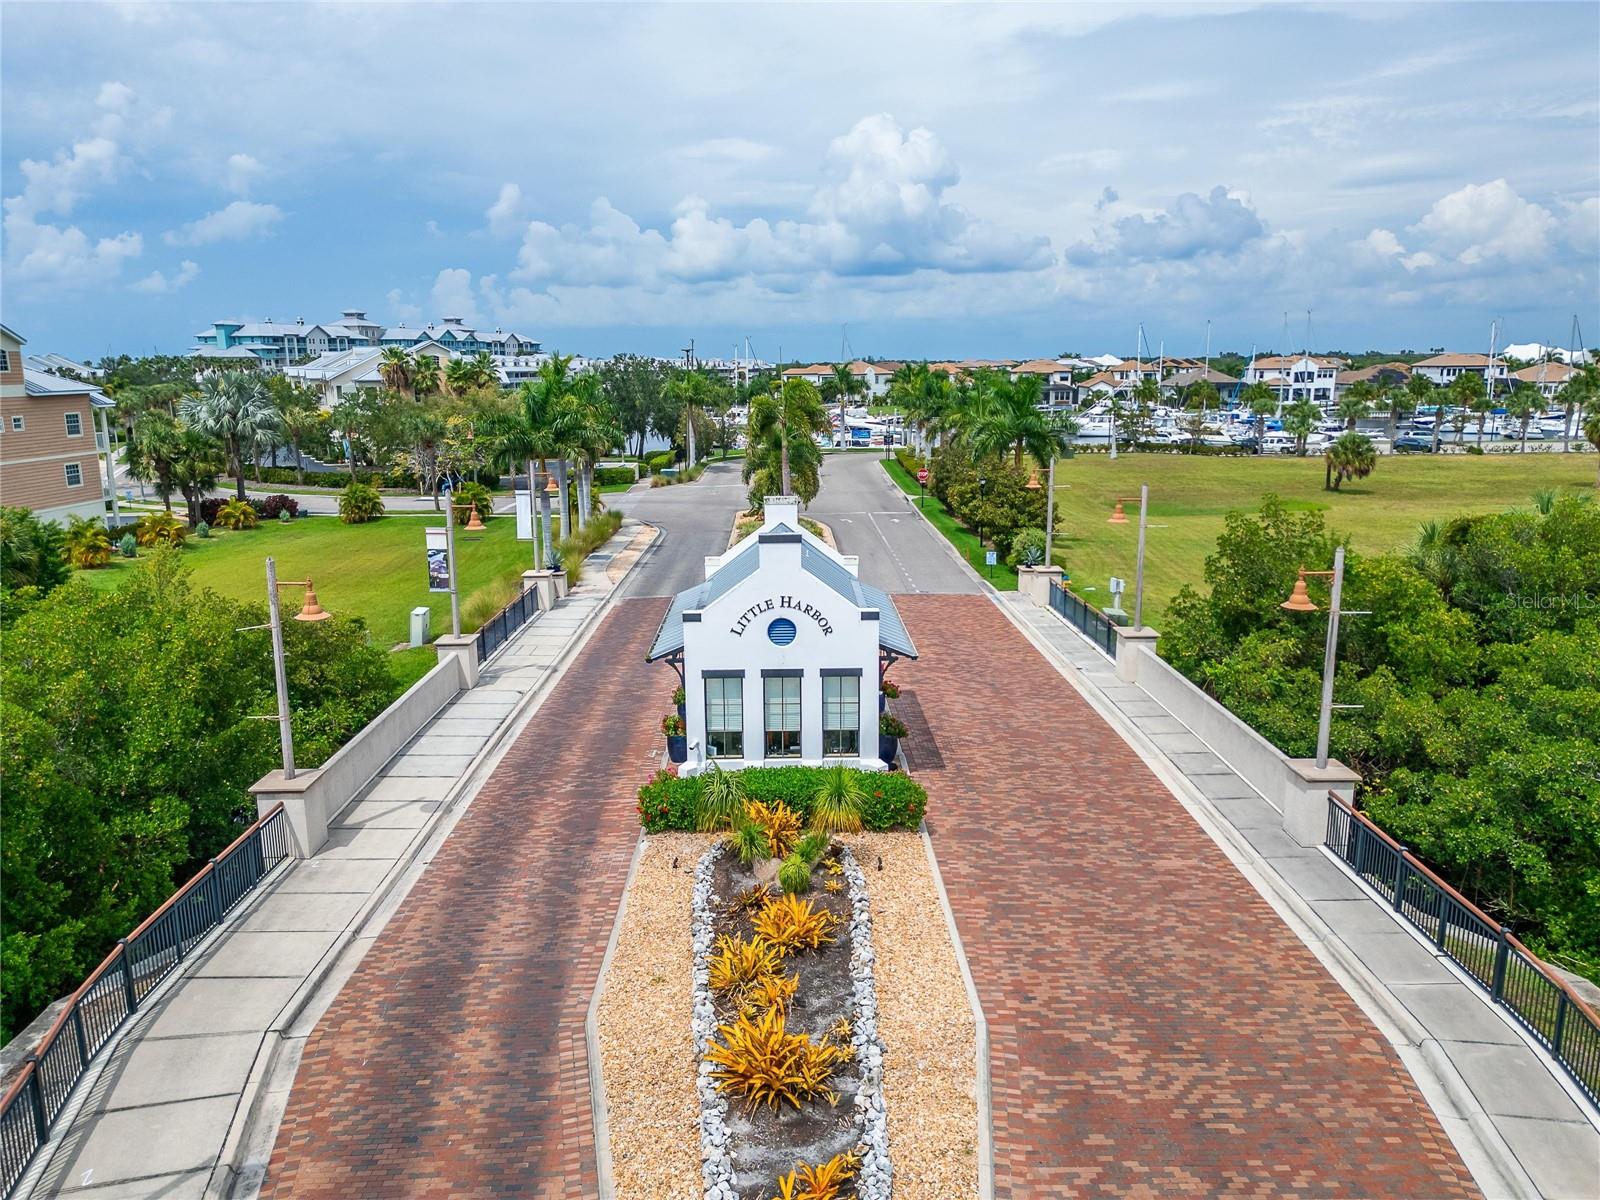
894, 800
607, 476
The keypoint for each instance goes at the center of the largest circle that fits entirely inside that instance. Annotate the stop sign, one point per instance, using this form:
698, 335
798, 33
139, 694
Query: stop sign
922, 475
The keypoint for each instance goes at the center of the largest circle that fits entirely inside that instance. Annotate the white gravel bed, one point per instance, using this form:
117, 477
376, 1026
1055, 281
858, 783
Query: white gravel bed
930, 1076
647, 1051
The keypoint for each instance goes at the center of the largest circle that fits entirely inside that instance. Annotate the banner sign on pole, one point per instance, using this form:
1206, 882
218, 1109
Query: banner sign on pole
524, 505
438, 560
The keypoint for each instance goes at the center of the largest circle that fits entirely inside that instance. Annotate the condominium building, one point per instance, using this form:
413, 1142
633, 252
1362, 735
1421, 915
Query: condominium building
1549, 377
49, 451
277, 345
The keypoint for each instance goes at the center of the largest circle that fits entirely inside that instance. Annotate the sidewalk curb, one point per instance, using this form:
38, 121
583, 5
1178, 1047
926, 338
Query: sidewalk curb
591, 1036
1437, 1078
237, 1175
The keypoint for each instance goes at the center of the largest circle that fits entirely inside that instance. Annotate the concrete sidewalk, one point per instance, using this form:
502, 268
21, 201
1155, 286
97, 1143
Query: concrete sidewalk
1511, 1112
186, 1103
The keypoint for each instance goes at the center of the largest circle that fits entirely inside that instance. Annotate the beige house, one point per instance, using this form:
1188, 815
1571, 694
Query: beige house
49, 451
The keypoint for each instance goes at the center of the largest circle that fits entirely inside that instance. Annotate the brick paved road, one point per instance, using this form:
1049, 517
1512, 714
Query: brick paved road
452, 1063
1155, 1029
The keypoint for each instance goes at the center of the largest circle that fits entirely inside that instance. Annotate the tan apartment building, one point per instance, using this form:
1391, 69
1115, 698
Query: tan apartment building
49, 453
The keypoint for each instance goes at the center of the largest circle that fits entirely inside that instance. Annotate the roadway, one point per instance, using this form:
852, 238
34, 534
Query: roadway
870, 517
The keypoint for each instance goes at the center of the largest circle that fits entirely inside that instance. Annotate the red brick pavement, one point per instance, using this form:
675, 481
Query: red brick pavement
453, 1063
1155, 1029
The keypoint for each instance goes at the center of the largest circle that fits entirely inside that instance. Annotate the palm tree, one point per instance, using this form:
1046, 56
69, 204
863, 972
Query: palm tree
1394, 402
1420, 391
395, 369
594, 430
689, 389
1468, 391
1146, 398
527, 433
925, 398
1014, 424
1356, 403
1299, 419
1351, 456
484, 372
782, 456
458, 376
424, 376
1521, 404
236, 408
840, 386
1261, 402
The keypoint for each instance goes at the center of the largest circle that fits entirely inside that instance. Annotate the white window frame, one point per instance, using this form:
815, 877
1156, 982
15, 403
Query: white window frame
66, 473
786, 682
18, 425
5, 360
848, 707
67, 418
724, 715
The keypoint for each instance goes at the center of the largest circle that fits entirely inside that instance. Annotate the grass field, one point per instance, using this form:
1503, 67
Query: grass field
377, 571
1189, 497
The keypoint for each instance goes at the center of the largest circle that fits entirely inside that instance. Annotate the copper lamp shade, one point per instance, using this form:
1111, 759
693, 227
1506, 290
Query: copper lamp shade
311, 610
1299, 599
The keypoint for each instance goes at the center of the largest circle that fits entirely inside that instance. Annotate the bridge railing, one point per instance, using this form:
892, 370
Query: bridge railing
1085, 618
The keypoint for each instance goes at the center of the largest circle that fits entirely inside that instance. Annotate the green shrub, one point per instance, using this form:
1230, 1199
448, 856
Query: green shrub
476, 495
1027, 548
890, 800
285, 516
159, 529
129, 545
202, 530
721, 800
812, 847
609, 476
749, 842
359, 503
656, 462
488, 600
88, 545
890, 725
836, 808
236, 514
794, 876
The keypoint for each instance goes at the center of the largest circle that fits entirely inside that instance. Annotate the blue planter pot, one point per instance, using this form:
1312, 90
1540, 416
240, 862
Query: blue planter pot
888, 748
683, 712
678, 748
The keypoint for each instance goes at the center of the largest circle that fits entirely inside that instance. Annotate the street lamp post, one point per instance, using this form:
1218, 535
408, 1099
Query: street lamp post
450, 554
1300, 601
1118, 517
309, 611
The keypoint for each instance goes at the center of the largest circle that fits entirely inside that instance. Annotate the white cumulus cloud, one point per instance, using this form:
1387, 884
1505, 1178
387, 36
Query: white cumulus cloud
509, 213
239, 220
1484, 221
453, 295
156, 283
242, 173
1221, 222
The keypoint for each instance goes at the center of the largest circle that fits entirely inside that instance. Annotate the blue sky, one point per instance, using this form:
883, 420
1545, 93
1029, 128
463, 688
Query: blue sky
944, 181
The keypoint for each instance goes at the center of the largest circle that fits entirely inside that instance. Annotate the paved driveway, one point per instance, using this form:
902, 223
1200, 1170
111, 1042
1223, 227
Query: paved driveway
1156, 1030
453, 1062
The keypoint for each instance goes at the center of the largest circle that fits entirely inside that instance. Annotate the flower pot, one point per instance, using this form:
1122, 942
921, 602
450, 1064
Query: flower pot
683, 712
888, 748
883, 701
678, 748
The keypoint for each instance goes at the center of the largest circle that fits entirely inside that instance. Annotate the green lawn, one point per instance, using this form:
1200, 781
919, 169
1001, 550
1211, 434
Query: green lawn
1190, 495
377, 571
970, 548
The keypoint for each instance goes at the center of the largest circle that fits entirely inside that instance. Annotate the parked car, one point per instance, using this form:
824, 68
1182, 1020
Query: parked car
1413, 443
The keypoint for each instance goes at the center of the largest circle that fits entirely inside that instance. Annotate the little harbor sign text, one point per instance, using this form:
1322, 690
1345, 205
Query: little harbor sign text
788, 603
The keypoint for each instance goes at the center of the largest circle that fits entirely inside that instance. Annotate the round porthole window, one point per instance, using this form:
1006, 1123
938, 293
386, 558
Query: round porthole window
781, 631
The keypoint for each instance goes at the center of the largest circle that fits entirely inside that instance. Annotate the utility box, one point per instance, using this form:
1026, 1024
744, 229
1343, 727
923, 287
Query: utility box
421, 616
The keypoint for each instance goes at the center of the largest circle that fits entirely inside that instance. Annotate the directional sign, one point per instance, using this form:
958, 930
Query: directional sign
990, 557
922, 475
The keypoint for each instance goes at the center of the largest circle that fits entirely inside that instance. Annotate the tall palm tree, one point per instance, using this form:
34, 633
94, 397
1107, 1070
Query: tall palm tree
236, 408
459, 375
484, 371
425, 376
593, 432
1261, 402
782, 456
395, 369
1015, 424
1299, 419
840, 386
1355, 403
1521, 404
1394, 402
1420, 391
1468, 392
689, 389
520, 436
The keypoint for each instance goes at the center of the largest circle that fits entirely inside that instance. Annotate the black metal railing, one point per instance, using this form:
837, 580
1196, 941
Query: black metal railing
1535, 997
118, 986
1085, 618
497, 630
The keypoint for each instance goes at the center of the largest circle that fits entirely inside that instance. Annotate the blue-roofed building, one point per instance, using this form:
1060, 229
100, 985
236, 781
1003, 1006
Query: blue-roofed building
278, 344
780, 652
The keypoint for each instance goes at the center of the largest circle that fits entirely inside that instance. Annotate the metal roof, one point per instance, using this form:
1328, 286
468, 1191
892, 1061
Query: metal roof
669, 636
42, 383
892, 633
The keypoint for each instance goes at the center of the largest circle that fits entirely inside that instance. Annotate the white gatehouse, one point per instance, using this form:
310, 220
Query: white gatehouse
781, 651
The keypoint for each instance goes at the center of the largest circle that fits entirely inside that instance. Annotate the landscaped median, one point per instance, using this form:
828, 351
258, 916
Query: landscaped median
967, 544
784, 1014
